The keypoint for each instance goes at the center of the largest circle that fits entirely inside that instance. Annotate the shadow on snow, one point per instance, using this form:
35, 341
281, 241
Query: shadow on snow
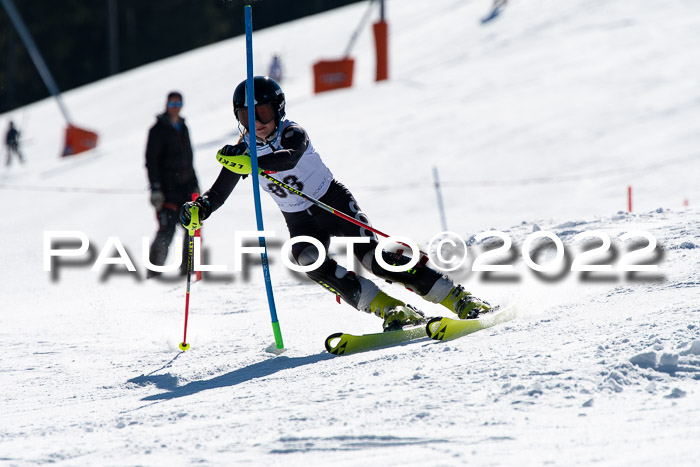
242, 375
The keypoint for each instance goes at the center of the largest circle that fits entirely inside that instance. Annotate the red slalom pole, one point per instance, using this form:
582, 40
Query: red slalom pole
184, 345
629, 198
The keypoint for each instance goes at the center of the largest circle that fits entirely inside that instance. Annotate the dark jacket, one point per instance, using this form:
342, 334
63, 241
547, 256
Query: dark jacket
169, 160
12, 137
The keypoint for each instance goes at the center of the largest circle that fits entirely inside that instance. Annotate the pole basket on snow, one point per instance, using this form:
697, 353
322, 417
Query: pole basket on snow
78, 140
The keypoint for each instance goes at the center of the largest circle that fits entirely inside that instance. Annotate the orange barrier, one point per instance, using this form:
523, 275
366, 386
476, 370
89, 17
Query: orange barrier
333, 74
381, 44
78, 140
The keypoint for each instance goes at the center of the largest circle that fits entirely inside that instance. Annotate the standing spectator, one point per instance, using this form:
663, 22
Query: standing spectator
276, 69
169, 162
12, 142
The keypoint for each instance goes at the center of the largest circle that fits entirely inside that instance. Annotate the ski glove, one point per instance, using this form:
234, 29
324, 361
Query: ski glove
157, 199
235, 158
193, 213
235, 150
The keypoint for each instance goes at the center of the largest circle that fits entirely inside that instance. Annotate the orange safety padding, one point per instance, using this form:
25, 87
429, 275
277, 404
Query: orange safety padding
333, 74
79, 140
381, 43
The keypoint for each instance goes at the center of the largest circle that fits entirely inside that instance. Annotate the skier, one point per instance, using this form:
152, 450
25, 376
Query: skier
171, 174
284, 150
12, 143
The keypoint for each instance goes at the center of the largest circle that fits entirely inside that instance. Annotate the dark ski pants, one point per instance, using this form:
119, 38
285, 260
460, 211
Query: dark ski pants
168, 220
10, 150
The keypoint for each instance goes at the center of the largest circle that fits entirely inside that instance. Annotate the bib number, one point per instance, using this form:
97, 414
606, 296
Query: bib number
290, 180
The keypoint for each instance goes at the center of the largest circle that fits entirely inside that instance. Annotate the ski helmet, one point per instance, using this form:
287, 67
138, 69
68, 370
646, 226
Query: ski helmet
266, 91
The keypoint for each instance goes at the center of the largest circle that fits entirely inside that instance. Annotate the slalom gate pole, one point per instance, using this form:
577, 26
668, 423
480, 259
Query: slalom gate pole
190, 251
256, 183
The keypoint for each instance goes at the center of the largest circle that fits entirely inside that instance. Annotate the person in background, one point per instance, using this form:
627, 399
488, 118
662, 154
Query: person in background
276, 69
12, 142
169, 162
496, 9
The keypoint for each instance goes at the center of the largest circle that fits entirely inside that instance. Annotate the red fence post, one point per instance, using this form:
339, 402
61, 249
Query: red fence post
629, 198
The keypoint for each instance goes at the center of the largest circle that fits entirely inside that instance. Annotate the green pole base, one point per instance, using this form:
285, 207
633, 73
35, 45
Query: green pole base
278, 334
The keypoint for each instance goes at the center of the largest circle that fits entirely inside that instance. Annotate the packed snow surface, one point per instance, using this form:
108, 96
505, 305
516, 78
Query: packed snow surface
537, 122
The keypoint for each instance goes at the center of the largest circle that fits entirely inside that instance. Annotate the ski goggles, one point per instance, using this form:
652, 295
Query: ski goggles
264, 113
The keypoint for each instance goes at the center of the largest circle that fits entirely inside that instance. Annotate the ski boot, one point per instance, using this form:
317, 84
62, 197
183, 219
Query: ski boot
464, 304
396, 314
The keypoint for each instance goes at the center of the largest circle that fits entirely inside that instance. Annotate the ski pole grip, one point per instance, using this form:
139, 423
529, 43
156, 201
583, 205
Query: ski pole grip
194, 223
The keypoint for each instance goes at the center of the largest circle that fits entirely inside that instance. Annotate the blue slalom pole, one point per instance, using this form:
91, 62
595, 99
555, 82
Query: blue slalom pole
256, 183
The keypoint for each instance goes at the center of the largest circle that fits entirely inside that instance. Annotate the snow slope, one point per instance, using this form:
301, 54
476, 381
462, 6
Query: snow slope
537, 121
